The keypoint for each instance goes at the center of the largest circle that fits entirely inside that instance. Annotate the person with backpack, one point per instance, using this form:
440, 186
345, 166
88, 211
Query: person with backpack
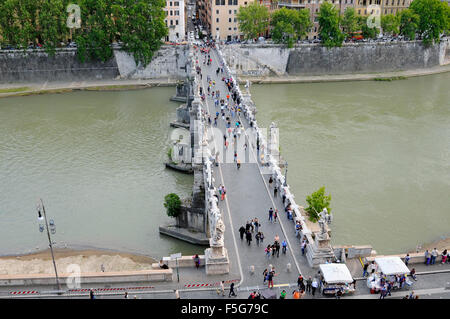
248, 236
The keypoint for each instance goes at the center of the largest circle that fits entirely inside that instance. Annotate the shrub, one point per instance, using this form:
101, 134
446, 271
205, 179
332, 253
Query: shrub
172, 203
317, 201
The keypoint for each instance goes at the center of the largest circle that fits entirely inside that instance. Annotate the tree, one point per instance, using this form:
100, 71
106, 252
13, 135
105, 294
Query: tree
98, 30
367, 32
329, 31
52, 25
409, 23
289, 25
141, 27
172, 203
432, 19
349, 22
390, 24
253, 20
317, 201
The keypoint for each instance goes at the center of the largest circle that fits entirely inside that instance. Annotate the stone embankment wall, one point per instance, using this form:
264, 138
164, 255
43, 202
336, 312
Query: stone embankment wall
261, 60
37, 66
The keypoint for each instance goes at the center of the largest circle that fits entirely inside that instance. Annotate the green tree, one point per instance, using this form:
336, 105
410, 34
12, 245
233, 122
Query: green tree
329, 31
349, 22
289, 25
98, 30
141, 27
409, 23
390, 24
317, 201
172, 203
52, 24
9, 26
253, 20
432, 19
367, 32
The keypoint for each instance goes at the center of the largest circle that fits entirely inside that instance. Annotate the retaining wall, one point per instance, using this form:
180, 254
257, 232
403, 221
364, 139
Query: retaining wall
94, 277
261, 60
169, 63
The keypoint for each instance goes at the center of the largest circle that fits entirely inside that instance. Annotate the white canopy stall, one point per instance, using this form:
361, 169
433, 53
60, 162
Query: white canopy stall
391, 266
387, 266
336, 277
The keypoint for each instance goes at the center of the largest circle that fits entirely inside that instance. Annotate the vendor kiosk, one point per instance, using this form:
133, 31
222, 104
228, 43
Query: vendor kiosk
387, 267
336, 277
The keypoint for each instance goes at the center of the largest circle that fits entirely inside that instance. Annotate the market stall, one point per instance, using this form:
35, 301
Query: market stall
336, 277
388, 269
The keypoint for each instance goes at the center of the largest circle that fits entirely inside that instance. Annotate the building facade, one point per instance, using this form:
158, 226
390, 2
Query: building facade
175, 20
394, 6
219, 17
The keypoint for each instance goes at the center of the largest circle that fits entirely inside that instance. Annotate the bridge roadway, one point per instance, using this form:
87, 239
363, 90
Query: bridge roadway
248, 196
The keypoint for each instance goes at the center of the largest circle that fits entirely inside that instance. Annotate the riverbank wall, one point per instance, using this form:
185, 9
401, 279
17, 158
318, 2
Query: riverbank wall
251, 61
32, 66
272, 60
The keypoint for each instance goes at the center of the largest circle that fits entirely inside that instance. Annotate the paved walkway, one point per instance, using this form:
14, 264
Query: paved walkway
248, 196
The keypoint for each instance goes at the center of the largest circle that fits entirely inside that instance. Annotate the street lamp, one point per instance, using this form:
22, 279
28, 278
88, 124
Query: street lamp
43, 216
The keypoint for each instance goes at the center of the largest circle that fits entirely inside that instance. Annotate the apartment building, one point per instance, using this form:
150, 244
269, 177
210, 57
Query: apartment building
175, 20
394, 6
219, 17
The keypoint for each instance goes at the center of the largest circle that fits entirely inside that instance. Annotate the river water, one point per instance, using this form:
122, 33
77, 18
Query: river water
382, 149
96, 159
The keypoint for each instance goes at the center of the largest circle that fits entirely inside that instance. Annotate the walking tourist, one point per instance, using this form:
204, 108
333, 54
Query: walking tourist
232, 293
248, 237
271, 214
242, 232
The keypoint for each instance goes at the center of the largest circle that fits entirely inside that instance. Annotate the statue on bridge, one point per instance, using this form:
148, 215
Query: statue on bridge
218, 232
247, 86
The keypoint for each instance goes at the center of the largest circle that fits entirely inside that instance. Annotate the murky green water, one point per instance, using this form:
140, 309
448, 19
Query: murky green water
96, 159
382, 149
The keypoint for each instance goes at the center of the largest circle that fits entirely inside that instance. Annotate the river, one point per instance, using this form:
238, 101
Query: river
97, 161
381, 149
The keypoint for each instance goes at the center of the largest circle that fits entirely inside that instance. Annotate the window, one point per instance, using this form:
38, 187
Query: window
171, 22
235, 11
222, 2
235, 20
217, 2
235, 2
229, 29
177, 4
176, 22
230, 2
171, 12
217, 29
229, 19
177, 12
171, 3
217, 19
229, 11
217, 11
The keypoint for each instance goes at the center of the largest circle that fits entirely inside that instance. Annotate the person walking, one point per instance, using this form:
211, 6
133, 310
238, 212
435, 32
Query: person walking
407, 258
427, 257
257, 224
261, 236
314, 286
275, 215
257, 237
275, 191
196, 261
303, 245
284, 246
222, 288
270, 279
271, 214
277, 248
283, 294
366, 265
270, 181
268, 250
265, 272
242, 232
308, 284
248, 236
232, 293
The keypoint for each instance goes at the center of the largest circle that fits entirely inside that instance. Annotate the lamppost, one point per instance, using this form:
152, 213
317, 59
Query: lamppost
40, 207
